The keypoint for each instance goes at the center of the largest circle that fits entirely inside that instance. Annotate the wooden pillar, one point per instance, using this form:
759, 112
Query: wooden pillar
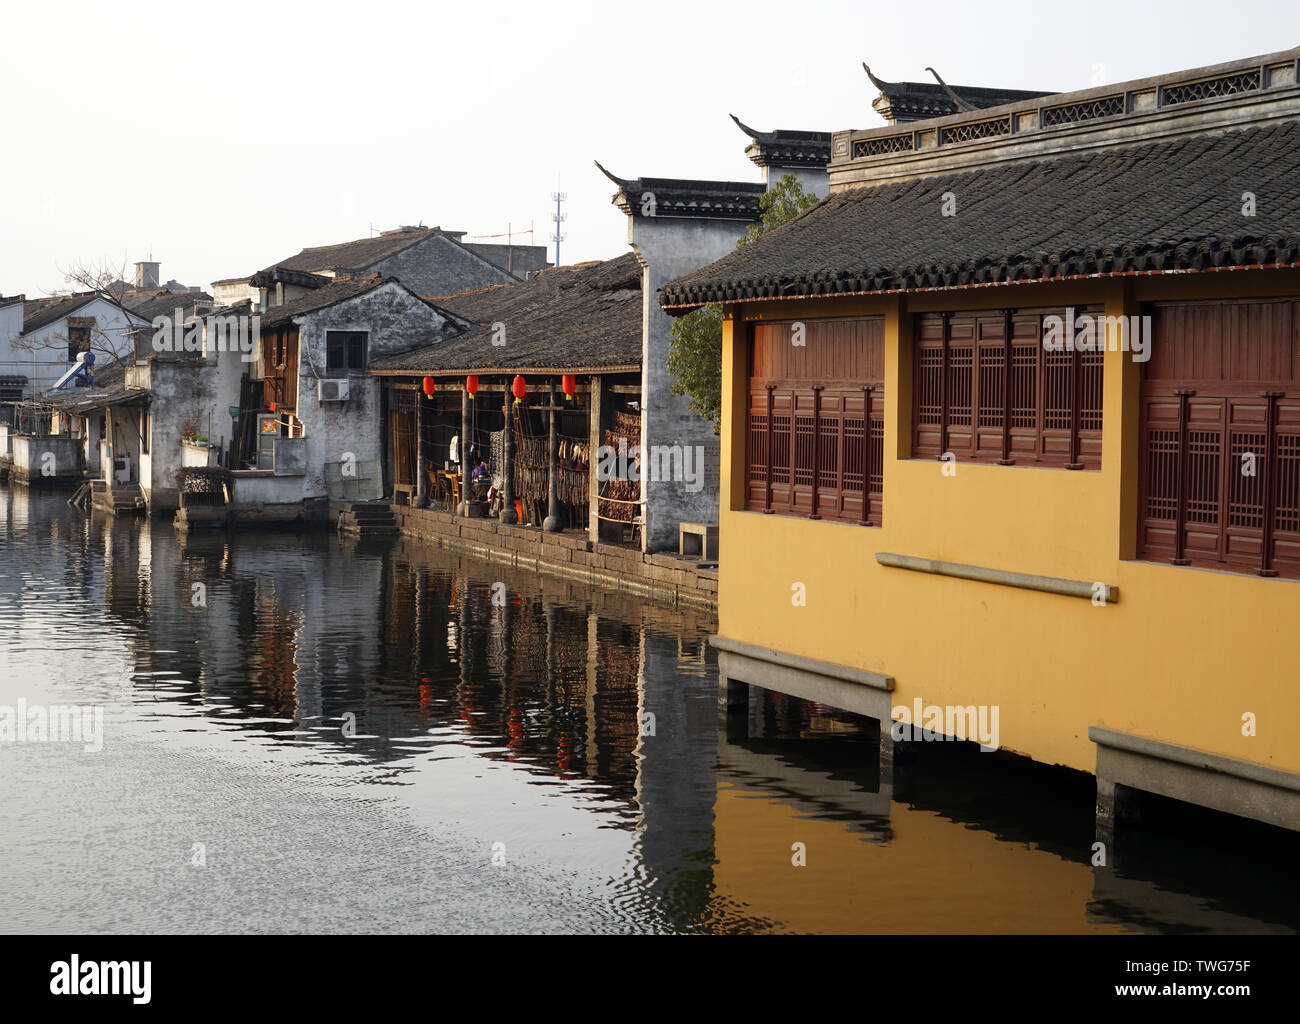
868, 453
552, 523
1270, 481
463, 452
508, 461
943, 385
767, 473
1076, 403
817, 447
594, 441
421, 456
1008, 358
1180, 516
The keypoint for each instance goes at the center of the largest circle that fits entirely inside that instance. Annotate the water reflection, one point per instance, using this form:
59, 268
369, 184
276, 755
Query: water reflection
364, 725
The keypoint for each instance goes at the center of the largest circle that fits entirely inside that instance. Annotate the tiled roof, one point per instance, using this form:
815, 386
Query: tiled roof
38, 313
244, 307
272, 275
161, 302
356, 255
336, 292
79, 400
1161, 206
110, 373
916, 101
681, 197
582, 318
787, 148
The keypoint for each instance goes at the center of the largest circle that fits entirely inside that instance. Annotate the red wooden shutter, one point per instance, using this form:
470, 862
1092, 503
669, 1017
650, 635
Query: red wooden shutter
928, 407
811, 453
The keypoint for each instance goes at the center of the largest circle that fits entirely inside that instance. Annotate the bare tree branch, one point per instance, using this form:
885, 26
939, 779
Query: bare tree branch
104, 281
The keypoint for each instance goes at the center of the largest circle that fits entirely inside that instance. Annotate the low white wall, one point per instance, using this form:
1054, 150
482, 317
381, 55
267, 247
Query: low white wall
197, 455
268, 490
30, 457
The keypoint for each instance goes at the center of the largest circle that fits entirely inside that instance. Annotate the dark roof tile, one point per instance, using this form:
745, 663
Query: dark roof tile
566, 319
1160, 206
332, 294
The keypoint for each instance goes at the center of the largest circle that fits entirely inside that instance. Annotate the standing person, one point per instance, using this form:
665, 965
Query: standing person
454, 454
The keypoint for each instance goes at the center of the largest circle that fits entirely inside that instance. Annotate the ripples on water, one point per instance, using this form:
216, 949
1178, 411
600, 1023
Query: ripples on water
348, 735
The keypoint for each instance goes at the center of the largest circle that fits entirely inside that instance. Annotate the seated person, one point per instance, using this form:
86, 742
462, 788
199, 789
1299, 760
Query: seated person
480, 481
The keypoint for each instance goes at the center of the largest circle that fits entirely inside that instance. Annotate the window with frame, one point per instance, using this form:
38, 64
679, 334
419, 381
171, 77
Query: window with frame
346, 352
816, 427
1219, 471
987, 390
78, 336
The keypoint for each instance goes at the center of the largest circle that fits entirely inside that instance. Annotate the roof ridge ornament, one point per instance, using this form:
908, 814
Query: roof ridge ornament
620, 182
751, 132
879, 83
962, 105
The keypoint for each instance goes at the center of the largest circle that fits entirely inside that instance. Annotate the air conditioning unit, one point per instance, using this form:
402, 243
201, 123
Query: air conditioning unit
332, 390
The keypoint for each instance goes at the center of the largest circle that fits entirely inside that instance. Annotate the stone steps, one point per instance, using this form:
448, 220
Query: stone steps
366, 519
124, 498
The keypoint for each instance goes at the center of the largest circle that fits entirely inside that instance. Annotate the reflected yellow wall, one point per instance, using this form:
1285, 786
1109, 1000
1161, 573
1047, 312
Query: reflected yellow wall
919, 881
1180, 658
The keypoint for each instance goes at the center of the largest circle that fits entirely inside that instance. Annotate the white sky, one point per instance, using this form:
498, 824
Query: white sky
225, 136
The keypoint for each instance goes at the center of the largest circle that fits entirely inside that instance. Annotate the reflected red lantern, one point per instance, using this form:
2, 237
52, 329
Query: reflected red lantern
430, 386
568, 384
519, 389
471, 385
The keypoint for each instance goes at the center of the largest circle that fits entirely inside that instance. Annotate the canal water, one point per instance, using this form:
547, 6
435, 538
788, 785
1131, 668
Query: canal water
305, 733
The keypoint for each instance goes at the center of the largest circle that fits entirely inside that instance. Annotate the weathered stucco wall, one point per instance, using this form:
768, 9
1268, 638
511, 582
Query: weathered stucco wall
814, 180
11, 325
265, 488
396, 322
47, 461
186, 391
669, 247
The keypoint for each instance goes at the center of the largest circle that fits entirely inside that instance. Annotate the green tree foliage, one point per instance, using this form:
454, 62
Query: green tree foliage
695, 351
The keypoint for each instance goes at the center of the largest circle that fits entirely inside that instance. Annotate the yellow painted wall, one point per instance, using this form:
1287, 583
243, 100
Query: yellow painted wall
1182, 655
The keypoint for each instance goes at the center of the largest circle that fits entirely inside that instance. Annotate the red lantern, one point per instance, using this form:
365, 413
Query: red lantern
568, 384
471, 385
430, 386
519, 389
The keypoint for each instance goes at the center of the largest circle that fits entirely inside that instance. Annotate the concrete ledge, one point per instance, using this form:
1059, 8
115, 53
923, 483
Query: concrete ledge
1046, 584
840, 686
1197, 777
